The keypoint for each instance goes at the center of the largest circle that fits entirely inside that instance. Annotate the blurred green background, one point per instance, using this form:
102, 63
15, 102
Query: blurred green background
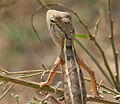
21, 50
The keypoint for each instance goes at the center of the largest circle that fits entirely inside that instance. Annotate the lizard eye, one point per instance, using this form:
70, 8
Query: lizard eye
52, 20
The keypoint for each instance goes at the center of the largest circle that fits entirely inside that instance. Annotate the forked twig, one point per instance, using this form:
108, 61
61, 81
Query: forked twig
31, 73
115, 53
25, 72
103, 86
28, 83
40, 72
3, 95
90, 98
96, 26
36, 85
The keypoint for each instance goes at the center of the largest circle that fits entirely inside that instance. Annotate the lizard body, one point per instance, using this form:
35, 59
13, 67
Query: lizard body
62, 32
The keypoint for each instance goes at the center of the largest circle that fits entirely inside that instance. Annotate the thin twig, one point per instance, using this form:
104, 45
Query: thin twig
36, 85
43, 4
21, 77
105, 62
96, 26
25, 72
58, 72
113, 45
103, 86
28, 83
7, 91
90, 98
2, 83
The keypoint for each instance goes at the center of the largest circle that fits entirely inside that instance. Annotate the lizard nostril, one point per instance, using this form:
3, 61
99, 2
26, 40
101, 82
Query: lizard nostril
66, 23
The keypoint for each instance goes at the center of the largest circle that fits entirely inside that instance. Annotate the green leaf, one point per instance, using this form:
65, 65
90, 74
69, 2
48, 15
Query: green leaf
81, 36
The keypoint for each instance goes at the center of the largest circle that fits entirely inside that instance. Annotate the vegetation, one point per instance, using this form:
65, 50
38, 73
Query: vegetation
21, 48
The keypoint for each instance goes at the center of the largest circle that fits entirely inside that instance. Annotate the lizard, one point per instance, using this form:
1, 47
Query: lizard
62, 32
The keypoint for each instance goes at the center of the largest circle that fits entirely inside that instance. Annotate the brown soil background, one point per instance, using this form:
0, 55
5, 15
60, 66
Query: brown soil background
21, 50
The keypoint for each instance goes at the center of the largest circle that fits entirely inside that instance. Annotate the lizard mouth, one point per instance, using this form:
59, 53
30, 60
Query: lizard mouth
58, 31
64, 32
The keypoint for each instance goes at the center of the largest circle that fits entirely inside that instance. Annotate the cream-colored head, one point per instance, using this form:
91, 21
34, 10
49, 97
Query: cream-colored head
59, 24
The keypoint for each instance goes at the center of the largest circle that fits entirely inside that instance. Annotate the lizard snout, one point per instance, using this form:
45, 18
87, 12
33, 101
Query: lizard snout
66, 21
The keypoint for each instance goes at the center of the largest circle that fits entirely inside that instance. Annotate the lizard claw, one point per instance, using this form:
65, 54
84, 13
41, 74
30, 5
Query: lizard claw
41, 91
43, 84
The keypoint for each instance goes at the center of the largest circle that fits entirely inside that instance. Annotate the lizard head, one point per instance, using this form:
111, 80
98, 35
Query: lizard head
60, 25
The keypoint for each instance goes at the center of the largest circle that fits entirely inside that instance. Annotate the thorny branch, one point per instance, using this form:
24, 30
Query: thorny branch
5, 78
51, 89
28, 83
90, 98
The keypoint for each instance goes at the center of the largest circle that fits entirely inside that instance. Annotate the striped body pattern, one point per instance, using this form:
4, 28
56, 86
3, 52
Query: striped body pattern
62, 32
